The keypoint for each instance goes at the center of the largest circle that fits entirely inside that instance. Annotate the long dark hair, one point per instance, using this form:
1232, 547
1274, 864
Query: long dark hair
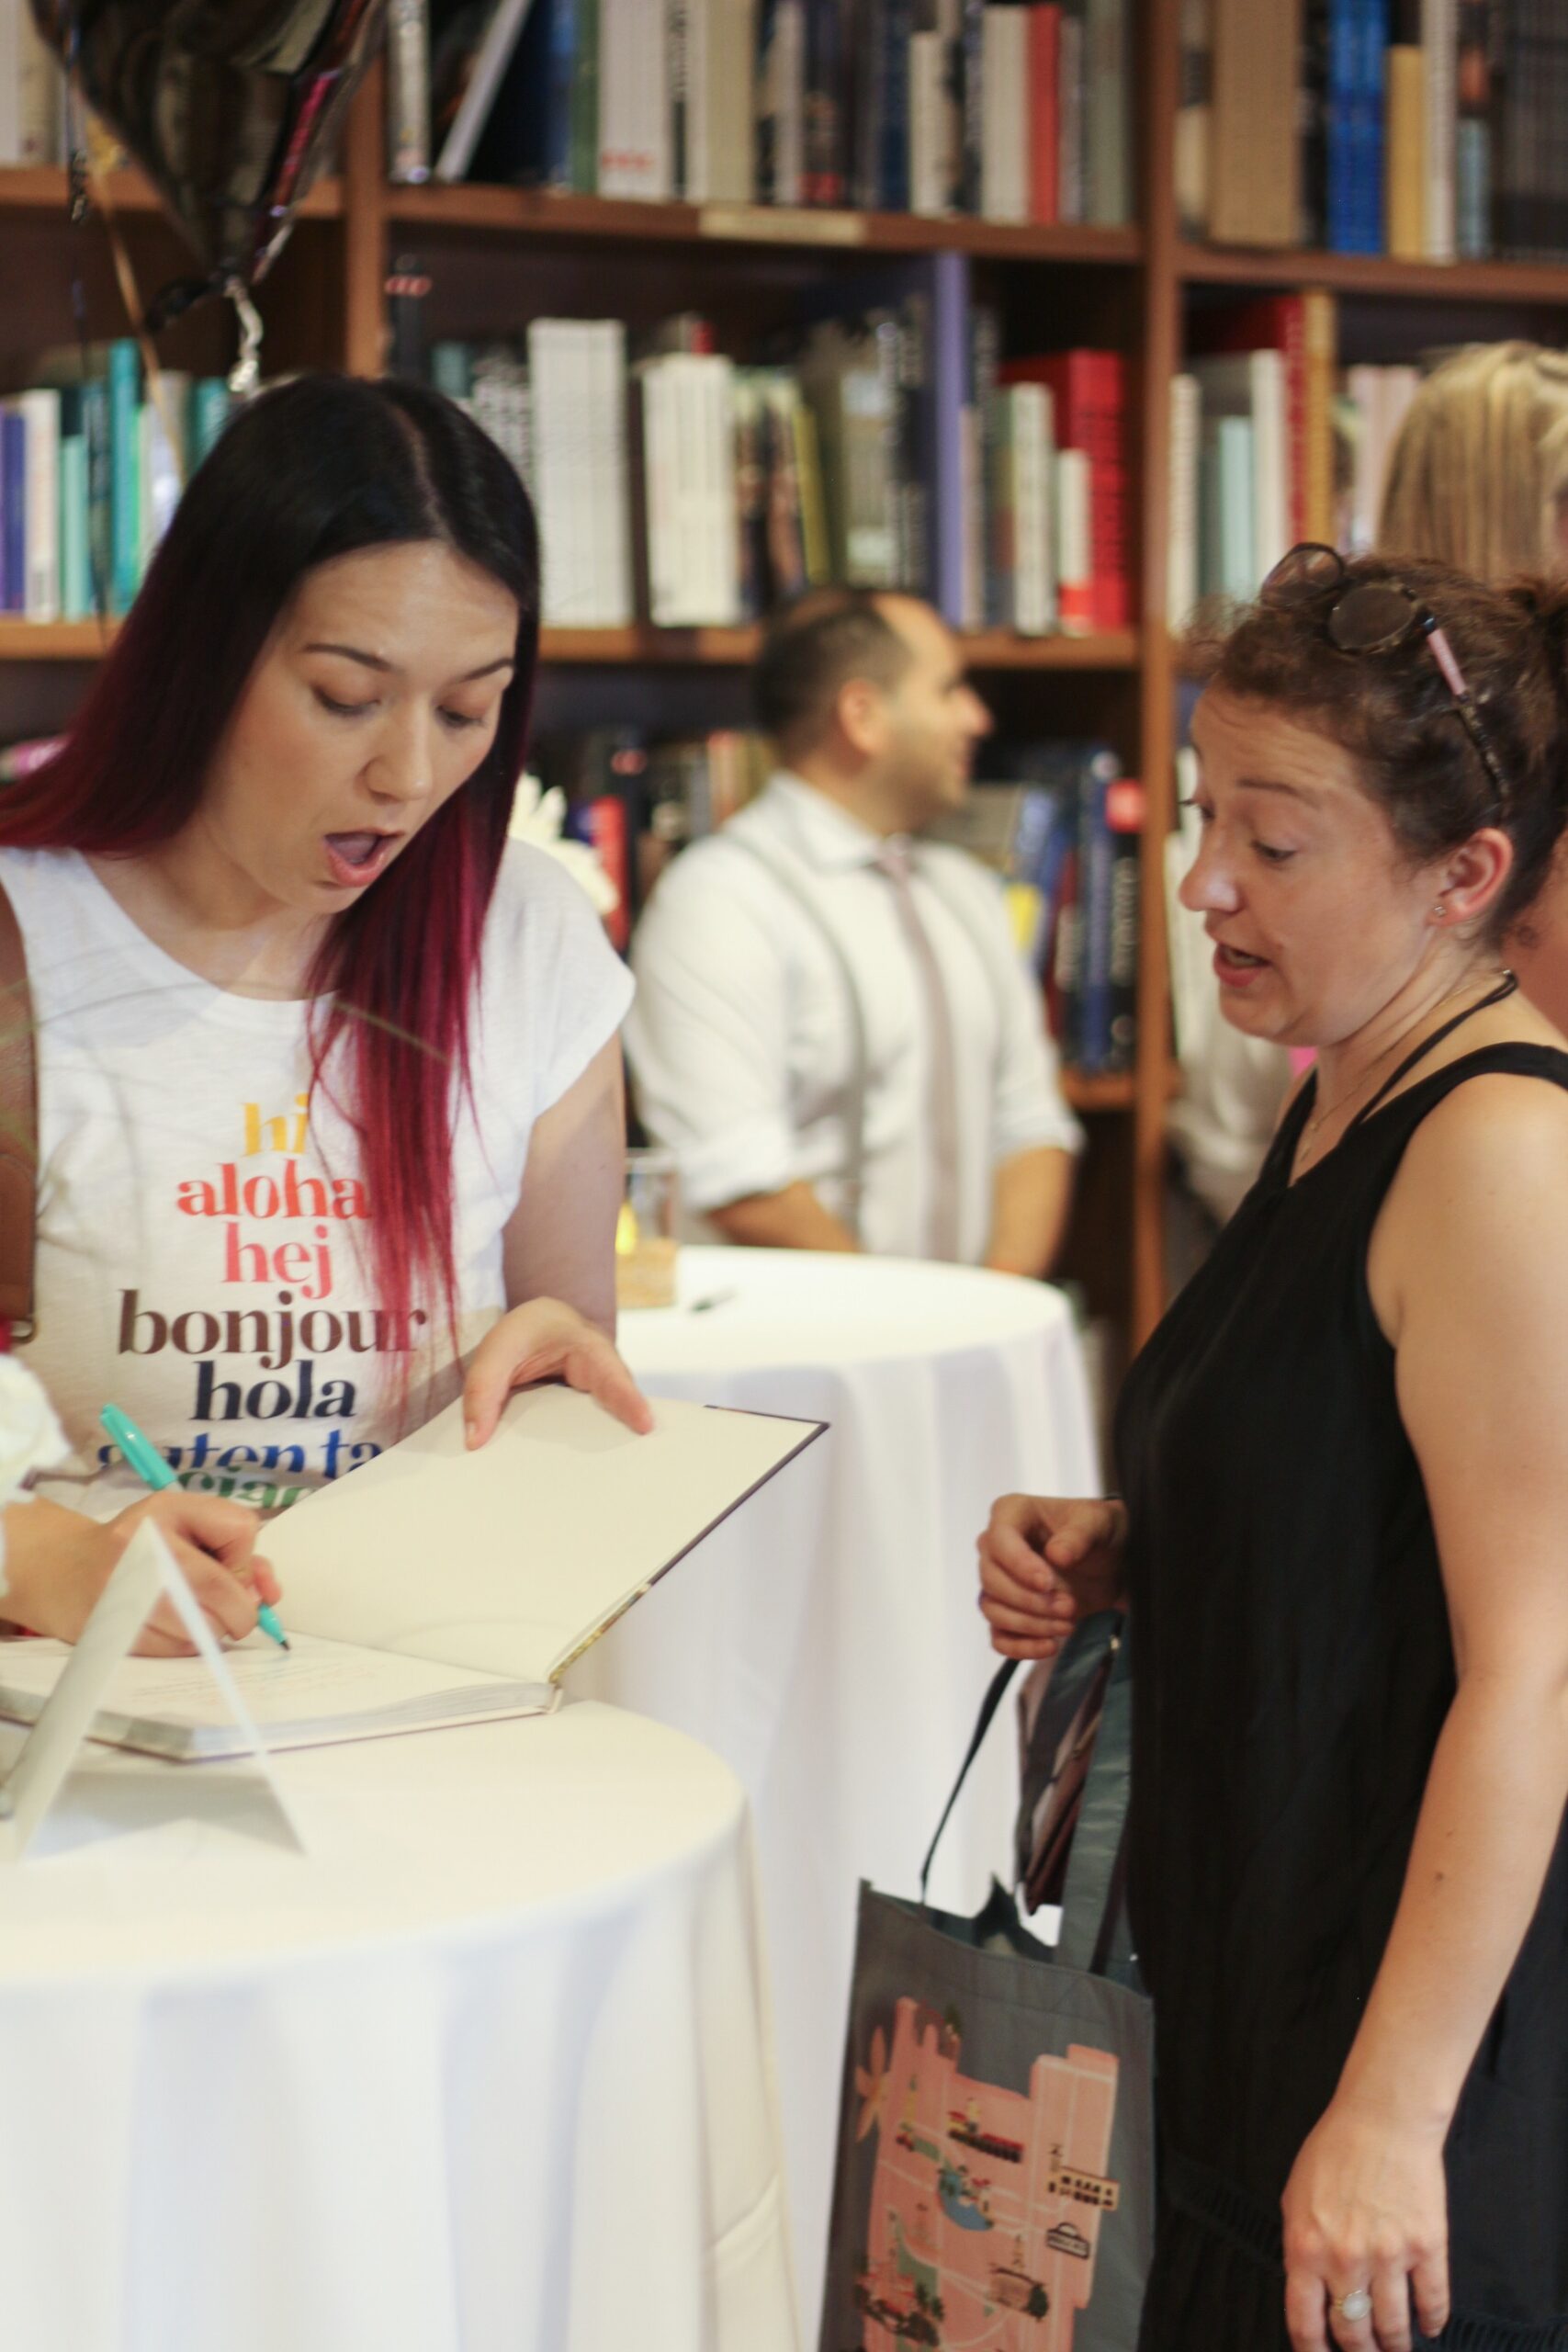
323, 467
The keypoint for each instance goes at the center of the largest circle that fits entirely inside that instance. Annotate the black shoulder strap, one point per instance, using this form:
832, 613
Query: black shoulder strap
19, 1129
1505, 986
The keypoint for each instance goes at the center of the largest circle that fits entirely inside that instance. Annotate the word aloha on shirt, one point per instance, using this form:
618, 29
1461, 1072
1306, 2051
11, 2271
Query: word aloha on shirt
202, 1252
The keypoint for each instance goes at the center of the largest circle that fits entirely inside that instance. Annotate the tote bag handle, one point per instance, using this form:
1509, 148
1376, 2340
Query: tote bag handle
1091, 1899
1097, 1860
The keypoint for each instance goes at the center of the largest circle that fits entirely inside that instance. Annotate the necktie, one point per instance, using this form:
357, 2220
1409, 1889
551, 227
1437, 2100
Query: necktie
893, 860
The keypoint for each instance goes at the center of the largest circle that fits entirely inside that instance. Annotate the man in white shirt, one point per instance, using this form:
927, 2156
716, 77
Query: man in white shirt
834, 1030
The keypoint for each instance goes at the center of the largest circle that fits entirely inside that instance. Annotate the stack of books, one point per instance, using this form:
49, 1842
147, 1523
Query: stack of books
1430, 129
1015, 112
1272, 443
1061, 823
694, 488
92, 465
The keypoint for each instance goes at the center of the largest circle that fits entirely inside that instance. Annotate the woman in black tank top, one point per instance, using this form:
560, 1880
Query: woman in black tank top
1343, 1537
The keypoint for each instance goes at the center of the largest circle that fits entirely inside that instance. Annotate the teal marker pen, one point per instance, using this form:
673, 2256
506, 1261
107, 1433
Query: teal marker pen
153, 1471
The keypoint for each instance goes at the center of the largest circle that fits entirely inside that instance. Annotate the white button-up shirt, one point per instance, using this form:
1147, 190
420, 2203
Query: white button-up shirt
743, 1044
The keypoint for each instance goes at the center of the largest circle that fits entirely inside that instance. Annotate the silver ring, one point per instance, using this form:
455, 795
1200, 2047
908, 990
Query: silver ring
1357, 2304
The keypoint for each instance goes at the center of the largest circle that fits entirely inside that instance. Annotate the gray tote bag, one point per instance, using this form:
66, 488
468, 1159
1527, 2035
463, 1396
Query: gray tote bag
994, 2181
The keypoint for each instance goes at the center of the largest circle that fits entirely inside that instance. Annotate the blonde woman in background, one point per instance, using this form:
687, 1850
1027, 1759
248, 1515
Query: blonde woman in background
1478, 476
1478, 479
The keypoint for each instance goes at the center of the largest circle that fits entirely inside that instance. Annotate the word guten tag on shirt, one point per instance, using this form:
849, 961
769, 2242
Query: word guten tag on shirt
283, 1237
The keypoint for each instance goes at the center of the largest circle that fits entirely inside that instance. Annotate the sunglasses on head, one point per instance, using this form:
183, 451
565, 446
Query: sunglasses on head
1374, 616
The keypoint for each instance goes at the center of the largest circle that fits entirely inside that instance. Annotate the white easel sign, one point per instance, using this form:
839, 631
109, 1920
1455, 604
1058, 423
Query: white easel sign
147, 1571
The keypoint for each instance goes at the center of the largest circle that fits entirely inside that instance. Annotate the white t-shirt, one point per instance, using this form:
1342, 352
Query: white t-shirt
741, 1042
200, 1257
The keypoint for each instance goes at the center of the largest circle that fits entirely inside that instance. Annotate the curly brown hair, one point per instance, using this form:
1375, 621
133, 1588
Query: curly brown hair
1394, 714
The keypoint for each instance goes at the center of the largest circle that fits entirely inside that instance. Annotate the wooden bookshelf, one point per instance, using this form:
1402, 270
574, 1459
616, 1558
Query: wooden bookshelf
640, 647
514, 213
1533, 283
44, 189
500, 251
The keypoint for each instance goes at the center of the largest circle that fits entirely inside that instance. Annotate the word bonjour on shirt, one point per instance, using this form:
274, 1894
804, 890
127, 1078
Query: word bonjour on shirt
286, 1336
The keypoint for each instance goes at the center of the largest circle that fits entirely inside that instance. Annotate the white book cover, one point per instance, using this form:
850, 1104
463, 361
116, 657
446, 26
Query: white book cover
1364, 390
781, 98
1004, 114
604, 350
434, 1586
718, 47
634, 100
666, 578
932, 126
1186, 412
31, 87
1251, 384
1439, 46
39, 412
1075, 576
561, 450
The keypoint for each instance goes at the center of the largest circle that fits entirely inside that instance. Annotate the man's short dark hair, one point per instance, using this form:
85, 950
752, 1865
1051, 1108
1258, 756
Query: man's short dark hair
812, 648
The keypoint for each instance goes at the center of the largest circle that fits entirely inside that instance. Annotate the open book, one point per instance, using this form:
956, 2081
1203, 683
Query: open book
434, 1586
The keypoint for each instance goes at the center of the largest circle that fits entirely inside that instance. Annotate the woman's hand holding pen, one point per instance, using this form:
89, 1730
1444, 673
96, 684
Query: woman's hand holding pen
58, 1562
547, 1339
1045, 1564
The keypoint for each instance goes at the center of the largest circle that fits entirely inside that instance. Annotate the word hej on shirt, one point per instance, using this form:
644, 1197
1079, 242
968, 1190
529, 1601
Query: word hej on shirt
291, 1360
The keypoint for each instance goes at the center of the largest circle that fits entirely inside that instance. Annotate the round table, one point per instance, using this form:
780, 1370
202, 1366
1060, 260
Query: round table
486, 2070
826, 1642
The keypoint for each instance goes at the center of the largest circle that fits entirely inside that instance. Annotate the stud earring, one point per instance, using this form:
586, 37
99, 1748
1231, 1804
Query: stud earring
1441, 910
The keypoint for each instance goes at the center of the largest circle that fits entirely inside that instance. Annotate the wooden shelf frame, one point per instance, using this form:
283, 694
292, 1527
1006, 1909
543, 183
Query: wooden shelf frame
1142, 276
44, 187
1535, 285
530, 213
643, 648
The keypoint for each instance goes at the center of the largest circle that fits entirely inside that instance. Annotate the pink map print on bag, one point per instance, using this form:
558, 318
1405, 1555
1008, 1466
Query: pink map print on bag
986, 2204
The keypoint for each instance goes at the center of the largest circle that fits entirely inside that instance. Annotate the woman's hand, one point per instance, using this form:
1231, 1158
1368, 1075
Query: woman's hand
58, 1562
1366, 2208
1043, 1565
549, 1341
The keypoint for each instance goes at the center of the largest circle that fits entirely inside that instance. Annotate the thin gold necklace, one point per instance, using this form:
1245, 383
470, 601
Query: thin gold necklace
1321, 1117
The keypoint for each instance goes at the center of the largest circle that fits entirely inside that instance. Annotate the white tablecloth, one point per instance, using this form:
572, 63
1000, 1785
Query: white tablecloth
487, 2072
826, 1643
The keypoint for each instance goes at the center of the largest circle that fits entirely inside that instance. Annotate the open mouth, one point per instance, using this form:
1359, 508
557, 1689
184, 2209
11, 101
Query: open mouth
356, 858
1233, 963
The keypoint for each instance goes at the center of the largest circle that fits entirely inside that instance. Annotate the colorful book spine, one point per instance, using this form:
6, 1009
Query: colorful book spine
1045, 71
1125, 810
13, 510
1093, 1041
75, 567
209, 415
125, 473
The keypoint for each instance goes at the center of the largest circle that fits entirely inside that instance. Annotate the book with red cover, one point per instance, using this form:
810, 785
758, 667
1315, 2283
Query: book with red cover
1089, 392
1044, 162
